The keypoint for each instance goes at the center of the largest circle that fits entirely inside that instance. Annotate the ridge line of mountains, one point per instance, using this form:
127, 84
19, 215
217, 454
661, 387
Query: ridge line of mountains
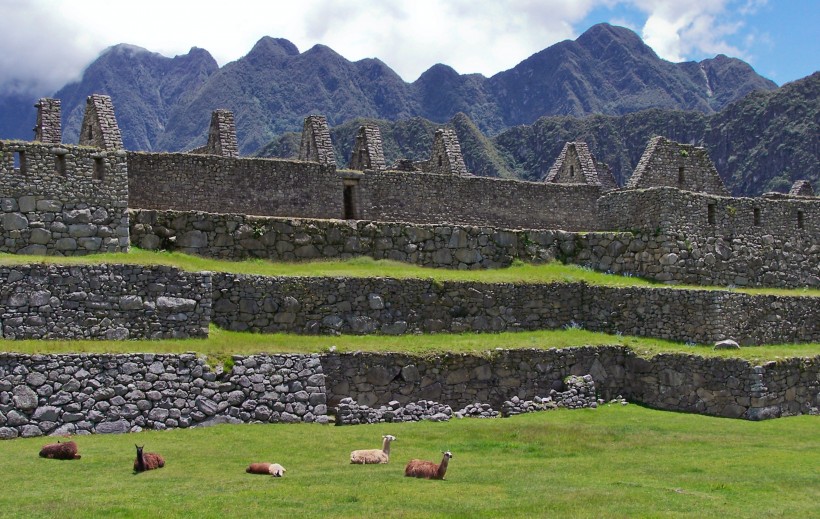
606, 87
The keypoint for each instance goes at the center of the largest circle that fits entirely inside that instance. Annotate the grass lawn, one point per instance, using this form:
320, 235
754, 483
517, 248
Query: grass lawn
221, 344
611, 462
367, 267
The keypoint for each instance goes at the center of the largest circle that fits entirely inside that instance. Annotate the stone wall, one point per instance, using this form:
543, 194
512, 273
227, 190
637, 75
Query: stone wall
103, 393
469, 200
731, 388
768, 260
672, 164
271, 187
714, 386
234, 185
457, 380
62, 200
82, 394
395, 307
103, 302
669, 209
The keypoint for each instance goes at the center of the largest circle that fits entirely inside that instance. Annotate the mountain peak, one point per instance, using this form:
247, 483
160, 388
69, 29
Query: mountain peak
600, 37
268, 47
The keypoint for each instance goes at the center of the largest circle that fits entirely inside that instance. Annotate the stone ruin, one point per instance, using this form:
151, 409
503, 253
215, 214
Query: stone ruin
99, 128
672, 164
48, 129
576, 165
801, 188
221, 136
316, 145
367, 153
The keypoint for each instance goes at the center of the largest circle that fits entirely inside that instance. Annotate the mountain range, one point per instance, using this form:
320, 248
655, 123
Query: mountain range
606, 87
165, 103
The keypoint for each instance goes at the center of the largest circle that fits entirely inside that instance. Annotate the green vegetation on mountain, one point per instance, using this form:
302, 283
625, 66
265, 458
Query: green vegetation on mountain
761, 143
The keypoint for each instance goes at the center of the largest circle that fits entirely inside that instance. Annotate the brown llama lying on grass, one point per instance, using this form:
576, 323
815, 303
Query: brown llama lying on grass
147, 460
274, 469
60, 451
428, 469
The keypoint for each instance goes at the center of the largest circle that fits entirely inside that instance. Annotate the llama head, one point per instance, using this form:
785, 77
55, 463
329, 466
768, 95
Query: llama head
447, 454
389, 437
139, 449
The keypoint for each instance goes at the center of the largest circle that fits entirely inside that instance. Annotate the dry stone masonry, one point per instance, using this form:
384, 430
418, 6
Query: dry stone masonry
99, 127
367, 151
49, 128
62, 200
111, 302
221, 136
83, 394
89, 393
674, 222
672, 164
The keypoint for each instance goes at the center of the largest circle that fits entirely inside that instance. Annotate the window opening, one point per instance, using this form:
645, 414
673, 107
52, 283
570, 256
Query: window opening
757, 216
680, 175
59, 165
20, 161
800, 222
99, 169
572, 171
439, 161
711, 214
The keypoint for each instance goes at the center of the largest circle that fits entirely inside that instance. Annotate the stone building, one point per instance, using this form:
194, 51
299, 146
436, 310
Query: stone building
367, 151
316, 145
99, 127
672, 164
576, 165
221, 136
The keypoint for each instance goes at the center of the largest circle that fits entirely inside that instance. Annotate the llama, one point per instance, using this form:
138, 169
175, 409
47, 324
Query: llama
147, 460
428, 469
60, 451
368, 456
274, 469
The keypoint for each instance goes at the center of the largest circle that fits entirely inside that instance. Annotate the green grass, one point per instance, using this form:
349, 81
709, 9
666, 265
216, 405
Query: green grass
367, 267
611, 462
221, 344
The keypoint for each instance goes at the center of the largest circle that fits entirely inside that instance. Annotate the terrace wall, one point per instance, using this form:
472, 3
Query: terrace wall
62, 200
87, 393
776, 260
103, 302
730, 388
395, 307
83, 394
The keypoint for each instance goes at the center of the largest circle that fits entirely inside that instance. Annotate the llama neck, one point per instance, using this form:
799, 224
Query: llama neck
140, 461
442, 468
386, 446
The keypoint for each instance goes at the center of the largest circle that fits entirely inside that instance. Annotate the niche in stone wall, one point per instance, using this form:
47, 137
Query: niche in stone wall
757, 216
59, 165
351, 206
800, 220
681, 176
99, 168
710, 216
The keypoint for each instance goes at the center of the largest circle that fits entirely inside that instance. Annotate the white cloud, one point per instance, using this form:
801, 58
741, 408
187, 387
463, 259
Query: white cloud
685, 29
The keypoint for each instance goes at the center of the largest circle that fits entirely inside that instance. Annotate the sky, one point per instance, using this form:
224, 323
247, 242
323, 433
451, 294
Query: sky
45, 44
